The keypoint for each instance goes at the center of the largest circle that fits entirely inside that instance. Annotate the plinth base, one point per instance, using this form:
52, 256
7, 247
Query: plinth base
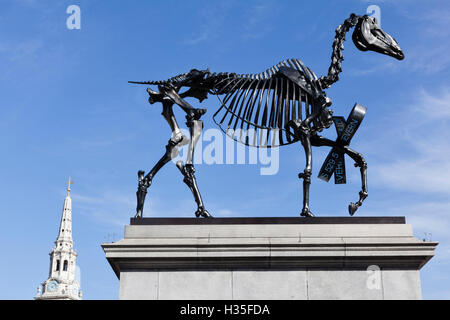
269, 258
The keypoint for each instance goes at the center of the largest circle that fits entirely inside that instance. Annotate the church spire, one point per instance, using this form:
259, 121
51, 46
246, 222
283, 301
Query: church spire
65, 227
61, 283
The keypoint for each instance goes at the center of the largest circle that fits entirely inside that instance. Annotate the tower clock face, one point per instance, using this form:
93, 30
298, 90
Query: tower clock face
52, 286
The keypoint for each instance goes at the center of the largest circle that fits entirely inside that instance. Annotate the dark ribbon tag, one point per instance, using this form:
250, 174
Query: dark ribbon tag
335, 162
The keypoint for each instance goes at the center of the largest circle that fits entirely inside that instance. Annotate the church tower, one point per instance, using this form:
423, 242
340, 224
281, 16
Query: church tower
61, 283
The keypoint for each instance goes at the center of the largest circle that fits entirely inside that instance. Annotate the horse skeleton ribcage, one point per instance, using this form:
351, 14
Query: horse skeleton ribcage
256, 108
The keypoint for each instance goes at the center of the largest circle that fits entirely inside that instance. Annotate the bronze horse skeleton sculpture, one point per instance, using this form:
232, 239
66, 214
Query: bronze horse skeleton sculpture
284, 104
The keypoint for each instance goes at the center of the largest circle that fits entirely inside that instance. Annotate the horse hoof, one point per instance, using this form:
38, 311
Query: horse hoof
352, 208
306, 213
202, 212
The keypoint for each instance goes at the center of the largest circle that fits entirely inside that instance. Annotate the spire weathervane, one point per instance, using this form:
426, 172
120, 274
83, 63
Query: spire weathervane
68, 186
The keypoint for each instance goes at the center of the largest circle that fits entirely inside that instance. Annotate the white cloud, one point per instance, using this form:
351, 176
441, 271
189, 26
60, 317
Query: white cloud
435, 106
111, 207
429, 59
254, 21
259, 21
431, 27
204, 35
26, 2
424, 138
376, 66
103, 142
428, 217
21, 50
212, 18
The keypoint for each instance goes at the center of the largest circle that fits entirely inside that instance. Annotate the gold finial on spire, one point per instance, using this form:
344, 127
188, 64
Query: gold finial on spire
68, 186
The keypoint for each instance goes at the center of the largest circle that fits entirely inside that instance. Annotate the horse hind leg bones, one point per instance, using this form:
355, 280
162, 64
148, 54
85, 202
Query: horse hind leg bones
168, 97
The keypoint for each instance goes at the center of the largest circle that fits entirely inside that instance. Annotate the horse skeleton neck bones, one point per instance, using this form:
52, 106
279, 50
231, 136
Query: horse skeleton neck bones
282, 105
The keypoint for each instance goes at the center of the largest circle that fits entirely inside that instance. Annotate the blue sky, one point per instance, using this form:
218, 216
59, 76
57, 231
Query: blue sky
67, 110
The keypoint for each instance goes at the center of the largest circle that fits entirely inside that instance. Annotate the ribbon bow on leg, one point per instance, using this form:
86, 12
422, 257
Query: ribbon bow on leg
335, 162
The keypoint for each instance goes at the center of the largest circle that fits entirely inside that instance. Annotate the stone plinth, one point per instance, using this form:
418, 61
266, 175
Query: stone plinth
269, 258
